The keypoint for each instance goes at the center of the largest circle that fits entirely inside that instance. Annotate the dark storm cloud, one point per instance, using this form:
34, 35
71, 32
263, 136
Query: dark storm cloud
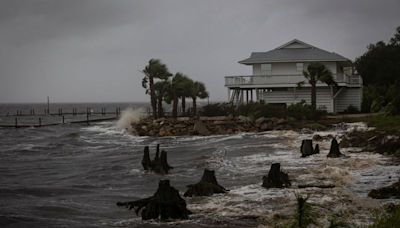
93, 50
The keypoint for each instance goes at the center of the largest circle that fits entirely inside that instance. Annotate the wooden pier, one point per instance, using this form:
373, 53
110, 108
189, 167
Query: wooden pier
34, 119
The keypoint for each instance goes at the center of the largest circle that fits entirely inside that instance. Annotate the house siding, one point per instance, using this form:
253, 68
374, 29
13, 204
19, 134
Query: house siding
290, 68
289, 96
348, 96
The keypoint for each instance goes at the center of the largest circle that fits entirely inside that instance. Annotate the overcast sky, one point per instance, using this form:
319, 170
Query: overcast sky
94, 50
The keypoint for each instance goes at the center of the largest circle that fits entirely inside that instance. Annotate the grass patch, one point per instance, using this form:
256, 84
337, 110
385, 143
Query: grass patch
387, 218
389, 124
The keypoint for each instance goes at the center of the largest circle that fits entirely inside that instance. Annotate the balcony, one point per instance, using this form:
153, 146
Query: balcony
260, 81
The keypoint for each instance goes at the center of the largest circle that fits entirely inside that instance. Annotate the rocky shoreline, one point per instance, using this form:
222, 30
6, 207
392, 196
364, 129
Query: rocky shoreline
219, 125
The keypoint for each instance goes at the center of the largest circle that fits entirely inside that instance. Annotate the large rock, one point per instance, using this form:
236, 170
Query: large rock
200, 128
260, 120
392, 191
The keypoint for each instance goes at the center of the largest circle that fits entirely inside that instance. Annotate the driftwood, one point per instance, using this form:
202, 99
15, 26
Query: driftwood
392, 191
276, 178
334, 151
159, 164
165, 204
307, 149
207, 186
316, 186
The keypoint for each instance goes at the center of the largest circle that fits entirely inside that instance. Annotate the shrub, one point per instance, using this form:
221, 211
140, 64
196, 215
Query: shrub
260, 109
216, 109
351, 110
303, 111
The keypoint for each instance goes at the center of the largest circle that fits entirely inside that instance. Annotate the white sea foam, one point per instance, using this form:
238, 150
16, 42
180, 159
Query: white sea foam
130, 116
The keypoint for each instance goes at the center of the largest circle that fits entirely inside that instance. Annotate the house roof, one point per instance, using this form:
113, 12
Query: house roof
294, 51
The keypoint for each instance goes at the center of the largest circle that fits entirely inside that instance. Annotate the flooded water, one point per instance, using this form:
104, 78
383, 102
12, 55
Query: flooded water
73, 175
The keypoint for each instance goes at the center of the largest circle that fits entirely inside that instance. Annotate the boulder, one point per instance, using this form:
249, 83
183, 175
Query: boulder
276, 178
200, 128
260, 120
392, 191
165, 204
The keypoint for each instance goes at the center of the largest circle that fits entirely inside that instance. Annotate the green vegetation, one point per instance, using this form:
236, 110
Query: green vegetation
162, 88
154, 70
317, 72
305, 215
298, 111
217, 109
379, 67
387, 123
387, 218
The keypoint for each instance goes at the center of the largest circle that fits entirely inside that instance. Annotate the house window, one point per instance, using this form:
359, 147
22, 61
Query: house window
299, 67
266, 69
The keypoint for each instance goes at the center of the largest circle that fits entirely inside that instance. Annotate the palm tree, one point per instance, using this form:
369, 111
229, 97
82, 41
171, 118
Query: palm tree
186, 91
175, 90
197, 90
317, 72
161, 89
154, 70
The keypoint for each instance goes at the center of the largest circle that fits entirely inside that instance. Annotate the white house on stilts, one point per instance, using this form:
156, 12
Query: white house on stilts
276, 75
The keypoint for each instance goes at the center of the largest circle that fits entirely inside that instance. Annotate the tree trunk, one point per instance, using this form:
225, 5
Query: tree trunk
153, 97
313, 95
276, 178
194, 106
183, 105
175, 107
207, 186
160, 108
165, 204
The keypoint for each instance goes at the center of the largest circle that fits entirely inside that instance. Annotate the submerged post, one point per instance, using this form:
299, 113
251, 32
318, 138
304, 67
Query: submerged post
16, 122
63, 119
40, 122
87, 118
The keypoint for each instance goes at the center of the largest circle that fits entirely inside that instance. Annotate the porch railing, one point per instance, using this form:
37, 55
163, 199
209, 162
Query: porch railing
284, 79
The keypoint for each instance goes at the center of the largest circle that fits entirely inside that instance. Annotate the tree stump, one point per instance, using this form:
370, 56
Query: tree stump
159, 164
276, 178
334, 151
165, 204
207, 186
306, 148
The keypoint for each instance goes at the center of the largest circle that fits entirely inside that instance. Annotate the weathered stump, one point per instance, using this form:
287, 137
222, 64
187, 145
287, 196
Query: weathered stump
392, 191
165, 204
146, 162
334, 151
306, 148
207, 186
276, 178
159, 164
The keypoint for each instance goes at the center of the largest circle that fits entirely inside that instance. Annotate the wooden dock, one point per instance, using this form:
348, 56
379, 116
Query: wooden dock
32, 119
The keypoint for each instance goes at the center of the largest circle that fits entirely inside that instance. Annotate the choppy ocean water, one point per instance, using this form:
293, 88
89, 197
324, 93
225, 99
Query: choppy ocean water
72, 176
